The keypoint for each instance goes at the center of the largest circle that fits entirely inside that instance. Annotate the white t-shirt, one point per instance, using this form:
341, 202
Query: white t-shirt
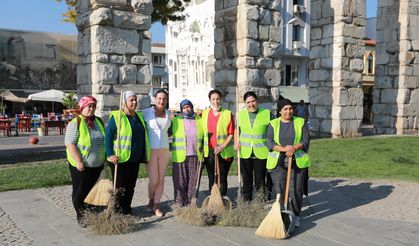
157, 128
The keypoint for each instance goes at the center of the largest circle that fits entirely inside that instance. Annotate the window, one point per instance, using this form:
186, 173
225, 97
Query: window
290, 75
156, 81
297, 33
370, 62
298, 2
156, 60
175, 74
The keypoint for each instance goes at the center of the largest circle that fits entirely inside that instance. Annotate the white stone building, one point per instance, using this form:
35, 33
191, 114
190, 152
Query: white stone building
190, 55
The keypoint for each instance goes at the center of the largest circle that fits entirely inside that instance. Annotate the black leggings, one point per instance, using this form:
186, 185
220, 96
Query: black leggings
83, 182
224, 168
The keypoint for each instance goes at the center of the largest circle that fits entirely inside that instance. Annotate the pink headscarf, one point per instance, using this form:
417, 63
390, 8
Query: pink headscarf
84, 102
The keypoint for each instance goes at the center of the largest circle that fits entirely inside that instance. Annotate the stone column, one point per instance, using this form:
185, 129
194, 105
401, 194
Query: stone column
114, 48
247, 49
335, 71
396, 94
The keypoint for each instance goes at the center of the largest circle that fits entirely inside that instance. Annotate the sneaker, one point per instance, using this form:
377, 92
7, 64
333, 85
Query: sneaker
297, 221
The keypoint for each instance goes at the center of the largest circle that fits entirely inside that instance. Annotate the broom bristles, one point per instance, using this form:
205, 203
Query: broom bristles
273, 226
100, 193
215, 203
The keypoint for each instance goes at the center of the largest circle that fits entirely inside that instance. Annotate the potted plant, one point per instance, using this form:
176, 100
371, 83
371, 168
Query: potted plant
70, 102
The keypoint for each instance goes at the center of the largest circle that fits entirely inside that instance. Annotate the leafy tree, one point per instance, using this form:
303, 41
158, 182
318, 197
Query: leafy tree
164, 10
70, 100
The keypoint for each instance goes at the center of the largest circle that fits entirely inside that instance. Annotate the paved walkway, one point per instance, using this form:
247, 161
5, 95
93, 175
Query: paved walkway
330, 217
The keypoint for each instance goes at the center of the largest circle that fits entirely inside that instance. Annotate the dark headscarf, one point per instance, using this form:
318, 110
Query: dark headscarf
190, 115
283, 103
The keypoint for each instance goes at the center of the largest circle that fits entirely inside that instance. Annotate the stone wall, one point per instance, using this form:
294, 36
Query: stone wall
247, 49
396, 93
114, 51
335, 70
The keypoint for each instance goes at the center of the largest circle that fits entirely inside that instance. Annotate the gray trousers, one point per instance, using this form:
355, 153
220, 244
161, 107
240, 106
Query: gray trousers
296, 188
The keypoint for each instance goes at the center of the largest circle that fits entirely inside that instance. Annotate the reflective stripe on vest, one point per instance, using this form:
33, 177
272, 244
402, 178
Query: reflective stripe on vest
125, 136
222, 134
301, 157
178, 147
253, 139
83, 144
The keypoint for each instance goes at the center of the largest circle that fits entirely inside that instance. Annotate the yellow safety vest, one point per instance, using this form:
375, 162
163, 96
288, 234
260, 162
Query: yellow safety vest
178, 147
301, 157
125, 136
254, 138
83, 143
222, 134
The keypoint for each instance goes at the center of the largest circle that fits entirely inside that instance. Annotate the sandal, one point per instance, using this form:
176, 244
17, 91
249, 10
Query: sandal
158, 212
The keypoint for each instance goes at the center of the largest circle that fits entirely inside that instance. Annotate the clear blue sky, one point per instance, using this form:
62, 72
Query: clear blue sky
45, 15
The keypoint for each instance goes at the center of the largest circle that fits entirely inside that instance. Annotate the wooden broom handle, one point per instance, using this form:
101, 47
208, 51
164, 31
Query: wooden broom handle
287, 185
118, 132
217, 168
237, 135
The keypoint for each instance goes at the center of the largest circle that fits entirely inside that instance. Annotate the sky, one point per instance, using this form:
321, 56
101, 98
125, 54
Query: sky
45, 15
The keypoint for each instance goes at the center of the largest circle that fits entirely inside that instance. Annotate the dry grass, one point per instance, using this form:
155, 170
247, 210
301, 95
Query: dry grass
110, 222
246, 214
193, 215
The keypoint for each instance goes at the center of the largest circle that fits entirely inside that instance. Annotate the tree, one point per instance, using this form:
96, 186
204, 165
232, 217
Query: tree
70, 100
164, 10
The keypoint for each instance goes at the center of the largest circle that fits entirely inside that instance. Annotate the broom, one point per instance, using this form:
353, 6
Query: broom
215, 204
273, 226
101, 192
239, 189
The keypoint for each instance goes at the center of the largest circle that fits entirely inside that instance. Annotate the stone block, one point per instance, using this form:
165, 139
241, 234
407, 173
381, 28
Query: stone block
322, 112
100, 16
253, 13
140, 60
326, 63
403, 96
225, 77
316, 33
264, 63
389, 95
99, 88
84, 75
129, 20
249, 29
137, 88
276, 19
103, 58
219, 50
118, 59
249, 77
274, 34
230, 31
356, 65
104, 73
271, 50
142, 6
128, 74
146, 46
144, 75
144, 101
414, 98
275, 5
114, 40
83, 20
319, 75
107, 101
385, 82
83, 43
272, 77
245, 62
407, 82
263, 32
265, 16
247, 47
218, 35
407, 57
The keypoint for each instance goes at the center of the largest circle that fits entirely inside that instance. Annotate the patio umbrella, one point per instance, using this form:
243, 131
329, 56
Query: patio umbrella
48, 96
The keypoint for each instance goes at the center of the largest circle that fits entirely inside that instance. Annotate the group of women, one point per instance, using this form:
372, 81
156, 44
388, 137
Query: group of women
263, 142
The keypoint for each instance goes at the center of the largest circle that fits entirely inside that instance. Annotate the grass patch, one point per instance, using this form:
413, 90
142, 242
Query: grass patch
361, 158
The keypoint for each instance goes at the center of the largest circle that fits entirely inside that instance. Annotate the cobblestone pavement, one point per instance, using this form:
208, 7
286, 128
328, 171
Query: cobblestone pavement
336, 212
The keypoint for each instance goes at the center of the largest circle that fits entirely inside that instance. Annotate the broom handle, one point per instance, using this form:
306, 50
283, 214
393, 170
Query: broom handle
287, 185
118, 132
217, 169
238, 139
198, 182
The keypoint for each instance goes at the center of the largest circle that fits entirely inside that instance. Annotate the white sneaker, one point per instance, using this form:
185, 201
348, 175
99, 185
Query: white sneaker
297, 221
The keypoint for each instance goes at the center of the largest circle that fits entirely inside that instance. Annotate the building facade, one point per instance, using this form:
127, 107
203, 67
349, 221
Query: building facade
159, 78
190, 55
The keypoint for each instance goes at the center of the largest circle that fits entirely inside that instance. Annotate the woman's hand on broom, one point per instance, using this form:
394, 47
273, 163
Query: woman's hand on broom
80, 166
113, 159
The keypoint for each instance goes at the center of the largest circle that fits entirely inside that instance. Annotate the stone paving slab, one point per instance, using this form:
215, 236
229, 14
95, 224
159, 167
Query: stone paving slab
330, 217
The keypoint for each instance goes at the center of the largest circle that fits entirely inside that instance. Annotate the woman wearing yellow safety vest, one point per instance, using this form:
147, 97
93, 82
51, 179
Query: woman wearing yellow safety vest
288, 137
218, 125
187, 147
134, 148
84, 139
253, 122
